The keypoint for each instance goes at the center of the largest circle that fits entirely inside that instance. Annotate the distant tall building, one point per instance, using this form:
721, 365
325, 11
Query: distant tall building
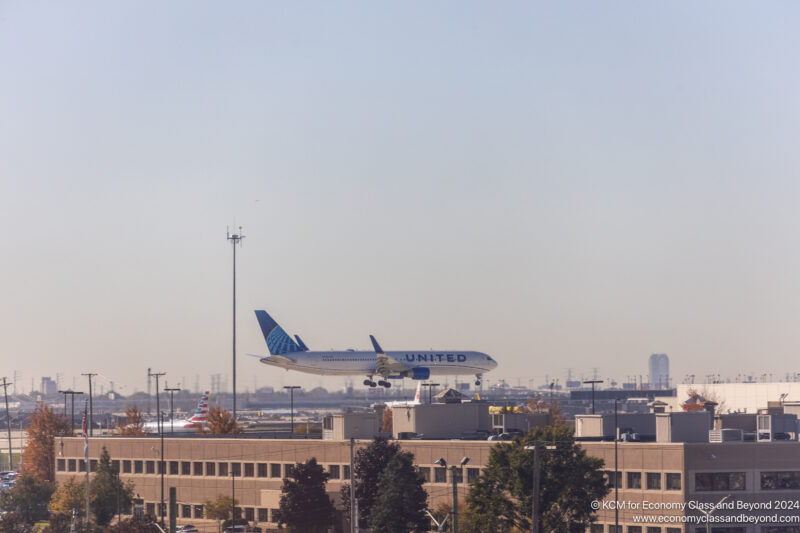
49, 386
659, 371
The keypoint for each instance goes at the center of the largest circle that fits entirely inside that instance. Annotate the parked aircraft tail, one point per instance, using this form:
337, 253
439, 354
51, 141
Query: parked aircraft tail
201, 413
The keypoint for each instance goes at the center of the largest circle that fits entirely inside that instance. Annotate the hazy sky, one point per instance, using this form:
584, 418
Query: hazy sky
561, 185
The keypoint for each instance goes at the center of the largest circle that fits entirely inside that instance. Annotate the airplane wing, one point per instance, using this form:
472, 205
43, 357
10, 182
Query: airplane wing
386, 365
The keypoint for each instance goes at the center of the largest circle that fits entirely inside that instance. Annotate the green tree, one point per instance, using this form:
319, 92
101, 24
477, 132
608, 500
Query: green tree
304, 505
368, 464
70, 495
400, 500
500, 498
219, 509
27, 500
107, 491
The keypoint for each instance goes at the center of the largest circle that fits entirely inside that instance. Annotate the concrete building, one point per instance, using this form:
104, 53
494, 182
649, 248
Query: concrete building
440, 420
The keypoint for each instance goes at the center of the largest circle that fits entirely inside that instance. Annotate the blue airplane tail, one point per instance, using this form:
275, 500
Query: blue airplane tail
278, 341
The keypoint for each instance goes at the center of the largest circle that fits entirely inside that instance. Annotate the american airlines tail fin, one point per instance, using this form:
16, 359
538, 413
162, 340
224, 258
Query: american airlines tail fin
201, 413
278, 341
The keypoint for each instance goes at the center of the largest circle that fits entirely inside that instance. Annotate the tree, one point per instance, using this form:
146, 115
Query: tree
311, 429
368, 464
221, 422
137, 524
12, 522
70, 495
135, 425
27, 499
219, 509
400, 501
107, 491
304, 504
39, 454
500, 498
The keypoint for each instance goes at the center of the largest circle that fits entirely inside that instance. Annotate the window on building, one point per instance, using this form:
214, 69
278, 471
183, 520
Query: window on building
610, 477
186, 511
674, 530
151, 508
634, 480
162, 509
93, 465
654, 481
173, 468
198, 468
333, 471
346, 472
273, 515
249, 514
211, 468
198, 511
424, 473
263, 515
222, 471
780, 480
262, 470
236, 469
249, 470
440, 475
596, 528
653, 530
150, 467
672, 481
115, 466
72, 465
126, 467
472, 474
634, 529
81, 465
614, 529
274, 470
459, 473
709, 481
288, 470
61, 465
186, 468
162, 465
327, 423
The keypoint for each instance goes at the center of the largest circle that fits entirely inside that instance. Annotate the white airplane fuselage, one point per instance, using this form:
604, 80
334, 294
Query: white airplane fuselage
353, 363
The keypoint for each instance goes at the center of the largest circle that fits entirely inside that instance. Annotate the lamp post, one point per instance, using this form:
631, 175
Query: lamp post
171, 392
592, 382
291, 389
616, 468
441, 462
234, 239
430, 389
90, 375
536, 525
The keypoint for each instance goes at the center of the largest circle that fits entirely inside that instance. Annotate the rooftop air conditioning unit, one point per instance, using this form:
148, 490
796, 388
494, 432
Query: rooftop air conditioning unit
725, 435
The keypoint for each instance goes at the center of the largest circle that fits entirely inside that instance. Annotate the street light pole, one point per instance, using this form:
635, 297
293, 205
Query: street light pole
234, 239
162, 463
592, 382
90, 375
8, 422
616, 469
291, 389
171, 392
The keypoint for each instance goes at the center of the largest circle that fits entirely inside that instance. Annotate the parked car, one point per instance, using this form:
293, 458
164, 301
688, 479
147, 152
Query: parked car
186, 528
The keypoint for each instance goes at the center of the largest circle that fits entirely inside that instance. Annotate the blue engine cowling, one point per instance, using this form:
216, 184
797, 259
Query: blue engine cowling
419, 372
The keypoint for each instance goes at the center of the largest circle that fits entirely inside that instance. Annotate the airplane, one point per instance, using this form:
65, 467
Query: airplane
405, 403
414, 364
197, 420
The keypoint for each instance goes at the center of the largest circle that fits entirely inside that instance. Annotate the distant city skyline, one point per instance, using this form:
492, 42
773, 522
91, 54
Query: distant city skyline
557, 185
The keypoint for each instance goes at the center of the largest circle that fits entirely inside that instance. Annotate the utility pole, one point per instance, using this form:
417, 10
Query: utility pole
353, 517
162, 463
171, 392
616, 469
234, 239
91, 407
8, 423
291, 389
536, 526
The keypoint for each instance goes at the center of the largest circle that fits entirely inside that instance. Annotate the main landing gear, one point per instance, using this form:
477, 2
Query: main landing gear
381, 383
478, 378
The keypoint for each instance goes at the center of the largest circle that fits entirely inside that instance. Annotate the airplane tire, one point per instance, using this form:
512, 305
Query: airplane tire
387, 384
477, 383
367, 382
373, 384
